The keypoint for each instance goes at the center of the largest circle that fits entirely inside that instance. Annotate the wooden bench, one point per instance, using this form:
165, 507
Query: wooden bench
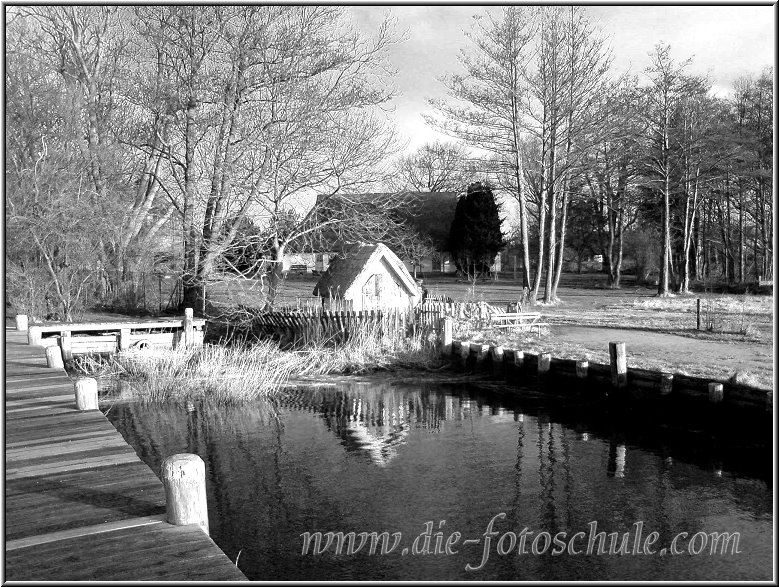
524, 321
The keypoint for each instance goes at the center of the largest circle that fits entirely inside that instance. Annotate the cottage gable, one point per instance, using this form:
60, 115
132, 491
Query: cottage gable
372, 277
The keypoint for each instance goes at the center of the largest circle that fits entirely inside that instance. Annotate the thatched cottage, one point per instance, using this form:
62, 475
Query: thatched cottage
369, 277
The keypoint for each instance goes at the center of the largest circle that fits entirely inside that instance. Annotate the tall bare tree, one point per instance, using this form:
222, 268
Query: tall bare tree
490, 102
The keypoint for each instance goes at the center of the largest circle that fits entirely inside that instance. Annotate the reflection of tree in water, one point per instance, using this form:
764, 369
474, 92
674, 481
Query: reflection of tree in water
375, 419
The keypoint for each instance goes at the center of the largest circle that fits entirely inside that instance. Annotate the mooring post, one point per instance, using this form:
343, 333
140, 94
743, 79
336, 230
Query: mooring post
481, 351
581, 369
698, 304
54, 357
619, 369
465, 351
21, 322
189, 338
33, 335
446, 326
544, 363
86, 393
666, 383
519, 359
66, 344
496, 352
716, 393
184, 478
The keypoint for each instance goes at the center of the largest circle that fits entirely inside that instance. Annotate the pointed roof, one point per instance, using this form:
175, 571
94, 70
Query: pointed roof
344, 270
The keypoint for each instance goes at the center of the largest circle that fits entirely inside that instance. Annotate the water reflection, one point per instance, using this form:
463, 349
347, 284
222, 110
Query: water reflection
383, 457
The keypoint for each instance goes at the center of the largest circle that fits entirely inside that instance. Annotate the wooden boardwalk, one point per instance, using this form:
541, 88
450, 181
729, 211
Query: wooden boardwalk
79, 503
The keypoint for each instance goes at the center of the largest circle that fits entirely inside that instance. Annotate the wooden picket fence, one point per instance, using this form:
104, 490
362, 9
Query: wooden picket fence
308, 323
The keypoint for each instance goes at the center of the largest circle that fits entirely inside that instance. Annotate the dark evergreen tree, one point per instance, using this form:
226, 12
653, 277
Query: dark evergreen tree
475, 236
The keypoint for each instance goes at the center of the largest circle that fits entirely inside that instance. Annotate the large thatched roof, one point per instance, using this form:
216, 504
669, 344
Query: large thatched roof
344, 270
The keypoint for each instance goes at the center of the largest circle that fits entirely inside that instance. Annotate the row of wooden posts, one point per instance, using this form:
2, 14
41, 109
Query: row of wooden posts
183, 475
503, 363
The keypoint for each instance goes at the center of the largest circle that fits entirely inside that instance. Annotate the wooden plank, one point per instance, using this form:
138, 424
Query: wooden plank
76, 532
75, 327
74, 488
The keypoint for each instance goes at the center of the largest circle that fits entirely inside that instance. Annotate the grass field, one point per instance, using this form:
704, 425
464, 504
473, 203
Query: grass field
664, 331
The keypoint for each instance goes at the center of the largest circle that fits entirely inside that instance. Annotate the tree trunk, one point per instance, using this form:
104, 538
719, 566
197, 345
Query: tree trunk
561, 247
277, 275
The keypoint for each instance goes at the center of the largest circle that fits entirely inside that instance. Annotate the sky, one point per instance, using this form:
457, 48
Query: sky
725, 42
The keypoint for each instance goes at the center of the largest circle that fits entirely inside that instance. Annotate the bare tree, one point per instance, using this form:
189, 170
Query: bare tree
490, 101
272, 107
667, 84
435, 167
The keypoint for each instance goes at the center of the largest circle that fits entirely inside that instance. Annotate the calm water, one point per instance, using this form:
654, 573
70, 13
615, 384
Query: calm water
377, 457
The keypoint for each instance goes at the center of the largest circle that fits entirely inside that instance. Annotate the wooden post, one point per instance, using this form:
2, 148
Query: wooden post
544, 362
66, 345
54, 357
184, 478
188, 334
619, 370
33, 335
481, 351
698, 304
446, 325
86, 393
716, 393
21, 322
465, 350
496, 352
124, 339
581, 369
519, 359
666, 383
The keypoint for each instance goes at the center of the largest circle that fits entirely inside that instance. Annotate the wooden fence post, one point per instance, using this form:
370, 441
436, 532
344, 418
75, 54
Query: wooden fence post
21, 322
188, 333
184, 478
698, 304
86, 393
619, 370
582, 367
54, 357
445, 325
716, 393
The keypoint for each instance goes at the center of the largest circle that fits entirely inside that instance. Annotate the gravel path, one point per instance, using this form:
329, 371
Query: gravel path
673, 348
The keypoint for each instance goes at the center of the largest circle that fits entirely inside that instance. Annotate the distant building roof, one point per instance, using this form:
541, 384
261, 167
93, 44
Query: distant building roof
429, 213
344, 270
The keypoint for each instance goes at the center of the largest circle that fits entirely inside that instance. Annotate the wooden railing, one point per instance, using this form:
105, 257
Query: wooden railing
107, 337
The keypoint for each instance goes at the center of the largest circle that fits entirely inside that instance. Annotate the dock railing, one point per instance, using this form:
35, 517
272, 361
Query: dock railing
76, 338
